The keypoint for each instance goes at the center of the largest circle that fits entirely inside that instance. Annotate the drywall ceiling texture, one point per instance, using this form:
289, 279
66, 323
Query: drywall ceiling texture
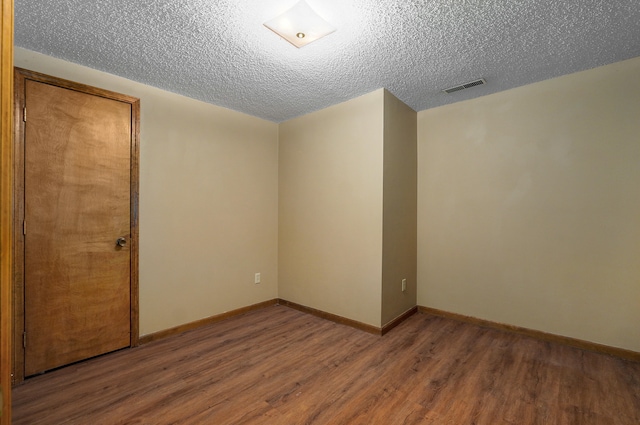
218, 51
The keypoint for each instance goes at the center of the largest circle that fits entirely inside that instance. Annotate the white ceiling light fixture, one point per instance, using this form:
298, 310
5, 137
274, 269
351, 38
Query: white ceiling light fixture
300, 25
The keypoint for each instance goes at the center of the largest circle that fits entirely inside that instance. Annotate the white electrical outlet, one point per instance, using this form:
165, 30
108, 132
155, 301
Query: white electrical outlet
404, 285
257, 278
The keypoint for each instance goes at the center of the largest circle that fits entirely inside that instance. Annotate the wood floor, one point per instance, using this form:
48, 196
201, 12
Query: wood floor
281, 366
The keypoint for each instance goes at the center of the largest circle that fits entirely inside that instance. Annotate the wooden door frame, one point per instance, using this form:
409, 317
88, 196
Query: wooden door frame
6, 200
20, 78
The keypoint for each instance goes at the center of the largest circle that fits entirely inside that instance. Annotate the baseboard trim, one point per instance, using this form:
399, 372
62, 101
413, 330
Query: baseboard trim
332, 317
540, 335
204, 322
145, 339
395, 322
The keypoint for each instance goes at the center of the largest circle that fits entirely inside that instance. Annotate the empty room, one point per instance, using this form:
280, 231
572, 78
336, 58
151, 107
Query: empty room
325, 212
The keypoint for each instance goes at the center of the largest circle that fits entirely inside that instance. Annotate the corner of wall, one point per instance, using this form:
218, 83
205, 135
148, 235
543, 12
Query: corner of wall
399, 251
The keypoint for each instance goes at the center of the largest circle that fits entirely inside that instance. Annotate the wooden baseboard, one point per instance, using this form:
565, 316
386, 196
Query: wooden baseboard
203, 322
544, 336
332, 317
395, 322
145, 339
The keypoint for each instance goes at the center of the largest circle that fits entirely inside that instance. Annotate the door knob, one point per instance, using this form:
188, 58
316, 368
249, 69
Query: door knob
121, 242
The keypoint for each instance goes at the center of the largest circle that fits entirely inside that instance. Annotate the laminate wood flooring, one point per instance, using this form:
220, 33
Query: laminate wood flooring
279, 366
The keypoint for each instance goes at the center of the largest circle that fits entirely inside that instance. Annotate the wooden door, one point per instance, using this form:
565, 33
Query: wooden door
77, 225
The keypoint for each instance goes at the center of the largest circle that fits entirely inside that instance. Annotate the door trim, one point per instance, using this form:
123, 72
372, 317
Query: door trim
20, 78
6, 158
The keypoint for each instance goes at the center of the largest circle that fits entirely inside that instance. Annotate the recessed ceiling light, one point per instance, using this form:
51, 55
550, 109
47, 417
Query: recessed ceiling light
300, 25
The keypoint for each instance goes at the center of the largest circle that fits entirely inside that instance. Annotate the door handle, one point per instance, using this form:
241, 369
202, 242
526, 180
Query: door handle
121, 242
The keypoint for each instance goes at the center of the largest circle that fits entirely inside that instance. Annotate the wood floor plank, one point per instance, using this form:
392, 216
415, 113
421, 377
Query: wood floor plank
281, 366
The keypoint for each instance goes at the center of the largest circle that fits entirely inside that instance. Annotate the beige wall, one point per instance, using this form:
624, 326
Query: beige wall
399, 208
208, 201
529, 206
330, 245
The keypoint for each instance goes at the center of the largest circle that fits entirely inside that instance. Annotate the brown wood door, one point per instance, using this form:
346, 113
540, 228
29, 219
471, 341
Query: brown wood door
77, 294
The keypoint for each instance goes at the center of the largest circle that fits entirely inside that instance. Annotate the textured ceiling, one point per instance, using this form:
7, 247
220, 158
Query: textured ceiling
218, 51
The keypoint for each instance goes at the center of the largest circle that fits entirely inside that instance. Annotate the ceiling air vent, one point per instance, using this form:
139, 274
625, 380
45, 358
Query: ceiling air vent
468, 85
